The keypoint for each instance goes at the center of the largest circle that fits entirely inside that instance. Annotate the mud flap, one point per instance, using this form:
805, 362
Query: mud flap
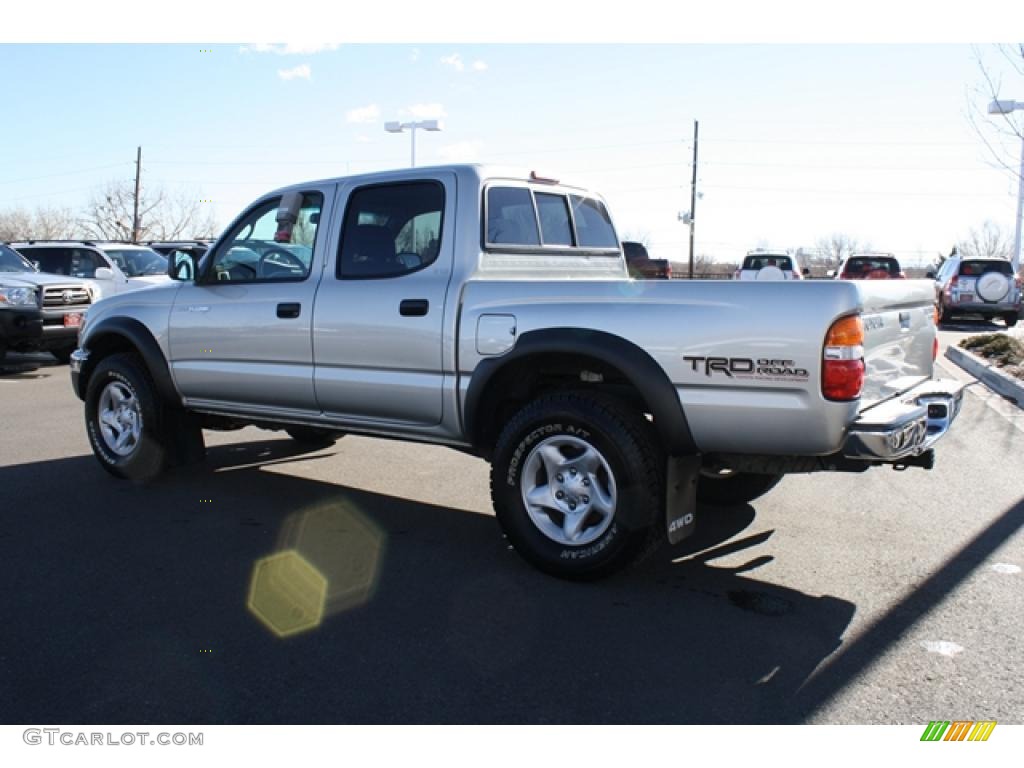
681, 496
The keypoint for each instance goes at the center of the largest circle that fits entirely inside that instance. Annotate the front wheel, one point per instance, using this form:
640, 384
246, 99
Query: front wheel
727, 488
577, 483
125, 421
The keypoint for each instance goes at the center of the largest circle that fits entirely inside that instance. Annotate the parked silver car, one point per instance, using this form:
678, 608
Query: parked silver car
985, 287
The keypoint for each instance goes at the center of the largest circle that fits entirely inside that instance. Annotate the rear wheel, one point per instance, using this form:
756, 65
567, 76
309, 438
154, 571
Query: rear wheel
577, 483
727, 488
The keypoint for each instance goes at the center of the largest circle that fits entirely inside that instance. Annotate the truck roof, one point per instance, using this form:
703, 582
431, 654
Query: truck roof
476, 172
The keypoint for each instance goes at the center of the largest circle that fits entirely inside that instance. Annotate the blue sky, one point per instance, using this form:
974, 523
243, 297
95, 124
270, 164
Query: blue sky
796, 141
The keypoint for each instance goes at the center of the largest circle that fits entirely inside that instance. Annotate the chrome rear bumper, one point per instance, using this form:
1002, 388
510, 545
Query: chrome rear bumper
906, 426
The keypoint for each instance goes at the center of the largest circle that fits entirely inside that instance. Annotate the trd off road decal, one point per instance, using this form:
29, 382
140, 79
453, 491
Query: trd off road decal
761, 369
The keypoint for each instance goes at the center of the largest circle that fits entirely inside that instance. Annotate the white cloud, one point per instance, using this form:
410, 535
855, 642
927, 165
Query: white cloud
369, 114
424, 111
479, 65
461, 152
302, 71
454, 61
289, 49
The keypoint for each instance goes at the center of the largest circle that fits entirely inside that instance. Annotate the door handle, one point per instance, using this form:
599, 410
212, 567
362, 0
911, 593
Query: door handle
289, 310
414, 307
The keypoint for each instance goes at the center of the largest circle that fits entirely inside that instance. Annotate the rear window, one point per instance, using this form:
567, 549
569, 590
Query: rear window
510, 217
760, 262
565, 221
975, 268
593, 227
862, 265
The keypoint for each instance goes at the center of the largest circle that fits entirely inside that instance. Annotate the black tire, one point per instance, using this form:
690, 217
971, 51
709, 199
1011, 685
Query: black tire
63, 354
1010, 318
312, 435
153, 451
734, 488
632, 460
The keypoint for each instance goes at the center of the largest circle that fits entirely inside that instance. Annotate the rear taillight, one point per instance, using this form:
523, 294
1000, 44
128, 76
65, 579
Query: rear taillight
842, 370
668, 270
935, 348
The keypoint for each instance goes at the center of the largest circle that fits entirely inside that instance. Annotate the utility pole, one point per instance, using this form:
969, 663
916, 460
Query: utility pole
138, 180
693, 195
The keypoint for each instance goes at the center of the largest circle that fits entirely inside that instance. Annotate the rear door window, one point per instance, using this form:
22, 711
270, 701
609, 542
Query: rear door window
391, 229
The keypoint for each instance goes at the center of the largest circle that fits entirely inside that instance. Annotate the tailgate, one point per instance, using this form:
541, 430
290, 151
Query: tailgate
899, 336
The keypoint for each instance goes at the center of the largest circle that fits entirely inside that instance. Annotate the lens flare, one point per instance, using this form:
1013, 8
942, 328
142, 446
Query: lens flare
328, 561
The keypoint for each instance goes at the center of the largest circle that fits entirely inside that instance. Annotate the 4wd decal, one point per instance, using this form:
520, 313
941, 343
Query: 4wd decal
763, 369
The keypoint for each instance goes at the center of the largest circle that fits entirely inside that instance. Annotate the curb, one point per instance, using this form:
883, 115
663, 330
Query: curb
1000, 383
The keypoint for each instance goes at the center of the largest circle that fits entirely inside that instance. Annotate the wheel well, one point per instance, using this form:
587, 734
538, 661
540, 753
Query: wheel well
525, 379
103, 347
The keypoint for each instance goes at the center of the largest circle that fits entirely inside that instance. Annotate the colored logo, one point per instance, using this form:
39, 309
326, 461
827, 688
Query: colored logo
958, 730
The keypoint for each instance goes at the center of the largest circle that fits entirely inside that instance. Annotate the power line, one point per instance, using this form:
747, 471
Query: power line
65, 173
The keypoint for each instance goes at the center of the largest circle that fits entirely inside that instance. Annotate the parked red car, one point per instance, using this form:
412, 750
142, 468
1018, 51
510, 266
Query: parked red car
870, 266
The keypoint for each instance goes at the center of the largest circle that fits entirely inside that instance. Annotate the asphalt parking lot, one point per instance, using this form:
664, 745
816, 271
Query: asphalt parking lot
877, 598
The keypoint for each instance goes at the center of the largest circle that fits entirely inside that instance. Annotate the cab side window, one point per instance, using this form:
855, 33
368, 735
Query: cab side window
268, 246
391, 230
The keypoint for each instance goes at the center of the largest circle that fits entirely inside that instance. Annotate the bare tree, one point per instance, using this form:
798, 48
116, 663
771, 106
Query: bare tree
54, 223
985, 242
838, 246
15, 224
44, 223
162, 216
995, 130
640, 236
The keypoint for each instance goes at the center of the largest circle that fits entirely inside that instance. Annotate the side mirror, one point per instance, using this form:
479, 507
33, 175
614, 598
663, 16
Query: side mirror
182, 265
806, 272
103, 273
930, 275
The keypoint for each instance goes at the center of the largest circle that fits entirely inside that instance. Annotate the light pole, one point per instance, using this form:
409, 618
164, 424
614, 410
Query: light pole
426, 125
1004, 107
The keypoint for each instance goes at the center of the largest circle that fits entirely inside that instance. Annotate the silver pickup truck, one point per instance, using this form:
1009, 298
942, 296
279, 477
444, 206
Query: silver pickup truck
491, 310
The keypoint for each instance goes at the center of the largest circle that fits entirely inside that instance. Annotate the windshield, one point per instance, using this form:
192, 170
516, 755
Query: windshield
139, 262
12, 261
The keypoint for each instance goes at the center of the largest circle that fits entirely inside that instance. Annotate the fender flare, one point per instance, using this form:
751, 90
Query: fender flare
144, 343
642, 371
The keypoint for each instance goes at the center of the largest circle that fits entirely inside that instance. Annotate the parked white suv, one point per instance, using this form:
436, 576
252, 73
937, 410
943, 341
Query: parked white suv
768, 265
112, 267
